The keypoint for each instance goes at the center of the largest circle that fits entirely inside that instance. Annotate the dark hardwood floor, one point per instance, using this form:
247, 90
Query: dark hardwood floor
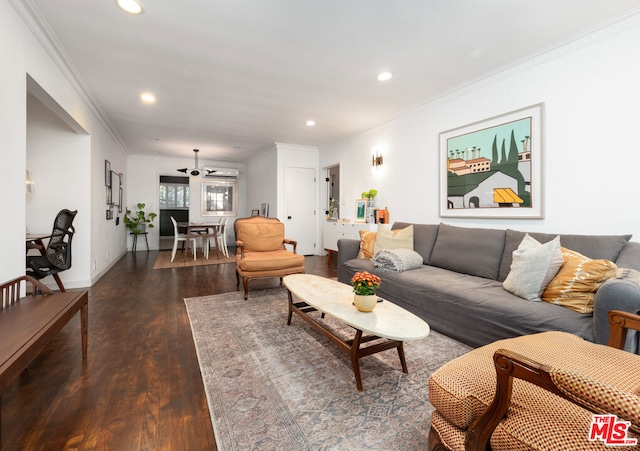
140, 387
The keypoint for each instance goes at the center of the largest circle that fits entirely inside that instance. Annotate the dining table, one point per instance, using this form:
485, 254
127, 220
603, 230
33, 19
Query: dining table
36, 241
202, 230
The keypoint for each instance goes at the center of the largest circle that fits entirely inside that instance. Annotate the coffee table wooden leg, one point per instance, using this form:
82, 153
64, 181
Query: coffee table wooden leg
355, 359
290, 307
402, 359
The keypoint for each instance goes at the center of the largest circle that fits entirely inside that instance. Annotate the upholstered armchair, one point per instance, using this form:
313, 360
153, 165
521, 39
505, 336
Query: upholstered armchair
538, 392
261, 251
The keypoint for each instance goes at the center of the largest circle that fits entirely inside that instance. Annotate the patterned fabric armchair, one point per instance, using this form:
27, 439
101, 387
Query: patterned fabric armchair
540, 392
261, 251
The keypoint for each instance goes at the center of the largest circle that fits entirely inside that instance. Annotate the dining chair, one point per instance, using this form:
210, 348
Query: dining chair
177, 237
221, 236
57, 256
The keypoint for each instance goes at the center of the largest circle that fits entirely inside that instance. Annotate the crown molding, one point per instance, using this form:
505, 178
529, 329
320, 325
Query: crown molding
37, 24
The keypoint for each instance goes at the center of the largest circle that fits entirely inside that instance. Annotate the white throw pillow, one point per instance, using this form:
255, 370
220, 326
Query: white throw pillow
534, 265
398, 239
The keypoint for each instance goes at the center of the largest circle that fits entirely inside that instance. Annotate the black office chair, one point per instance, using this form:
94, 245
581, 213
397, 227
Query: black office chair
57, 257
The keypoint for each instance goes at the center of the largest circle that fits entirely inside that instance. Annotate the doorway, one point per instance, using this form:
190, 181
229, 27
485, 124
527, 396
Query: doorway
301, 204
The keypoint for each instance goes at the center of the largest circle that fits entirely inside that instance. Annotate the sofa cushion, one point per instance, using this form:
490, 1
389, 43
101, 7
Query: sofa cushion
597, 247
629, 256
534, 266
397, 239
576, 283
367, 241
473, 251
424, 237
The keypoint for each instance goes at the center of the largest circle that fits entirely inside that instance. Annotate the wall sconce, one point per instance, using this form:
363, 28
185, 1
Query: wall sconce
377, 159
31, 184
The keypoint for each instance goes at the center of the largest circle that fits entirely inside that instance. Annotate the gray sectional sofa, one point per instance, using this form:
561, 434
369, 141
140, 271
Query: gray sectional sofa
459, 291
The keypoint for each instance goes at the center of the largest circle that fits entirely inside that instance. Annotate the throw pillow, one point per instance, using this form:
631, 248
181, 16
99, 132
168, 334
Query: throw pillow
533, 266
397, 239
367, 240
577, 281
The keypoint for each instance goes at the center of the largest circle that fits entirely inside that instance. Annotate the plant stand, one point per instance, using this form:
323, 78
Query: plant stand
135, 240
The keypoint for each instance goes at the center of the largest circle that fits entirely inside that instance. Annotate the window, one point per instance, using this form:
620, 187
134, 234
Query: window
174, 192
219, 198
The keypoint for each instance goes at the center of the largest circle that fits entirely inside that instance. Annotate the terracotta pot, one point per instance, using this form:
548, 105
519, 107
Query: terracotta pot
365, 303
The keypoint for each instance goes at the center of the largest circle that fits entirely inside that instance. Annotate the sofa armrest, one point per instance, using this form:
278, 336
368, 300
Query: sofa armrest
615, 294
347, 250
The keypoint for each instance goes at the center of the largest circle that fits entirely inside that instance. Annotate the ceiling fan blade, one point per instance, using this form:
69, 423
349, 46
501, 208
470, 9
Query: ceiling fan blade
182, 170
211, 171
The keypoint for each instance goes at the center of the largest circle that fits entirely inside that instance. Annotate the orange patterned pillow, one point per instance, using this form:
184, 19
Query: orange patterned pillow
576, 283
367, 240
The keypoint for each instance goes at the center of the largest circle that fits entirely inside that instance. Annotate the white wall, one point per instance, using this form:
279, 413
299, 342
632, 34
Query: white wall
51, 147
22, 55
262, 175
591, 94
142, 186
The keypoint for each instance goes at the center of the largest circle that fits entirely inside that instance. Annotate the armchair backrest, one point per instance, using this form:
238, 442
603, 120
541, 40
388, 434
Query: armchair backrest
259, 234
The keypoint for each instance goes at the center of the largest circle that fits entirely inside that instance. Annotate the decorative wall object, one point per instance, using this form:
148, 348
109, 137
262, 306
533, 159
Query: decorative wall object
264, 210
113, 200
492, 168
219, 198
361, 210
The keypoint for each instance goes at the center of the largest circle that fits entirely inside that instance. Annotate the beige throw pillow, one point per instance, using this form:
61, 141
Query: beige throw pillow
577, 281
397, 239
534, 265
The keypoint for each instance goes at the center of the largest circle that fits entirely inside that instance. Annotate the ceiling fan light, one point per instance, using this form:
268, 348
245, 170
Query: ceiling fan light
130, 6
195, 173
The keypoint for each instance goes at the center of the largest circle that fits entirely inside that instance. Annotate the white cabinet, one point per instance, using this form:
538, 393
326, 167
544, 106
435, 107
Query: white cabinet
334, 231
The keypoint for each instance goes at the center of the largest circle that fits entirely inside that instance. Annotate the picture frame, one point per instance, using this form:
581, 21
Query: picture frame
255, 212
361, 210
264, 210
107, 173
219, 198
120, 199
493, 168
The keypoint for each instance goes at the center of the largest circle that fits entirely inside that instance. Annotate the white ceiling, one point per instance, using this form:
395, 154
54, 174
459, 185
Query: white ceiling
232, 77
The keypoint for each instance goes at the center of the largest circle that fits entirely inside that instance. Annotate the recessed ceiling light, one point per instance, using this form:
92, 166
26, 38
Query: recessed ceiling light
384, 76
311, 123
148, 97
130, 6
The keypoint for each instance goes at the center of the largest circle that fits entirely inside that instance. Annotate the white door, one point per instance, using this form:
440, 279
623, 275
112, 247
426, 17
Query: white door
300, 208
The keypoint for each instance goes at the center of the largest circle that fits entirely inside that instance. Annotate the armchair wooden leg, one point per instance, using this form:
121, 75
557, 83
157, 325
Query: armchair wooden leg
245, 282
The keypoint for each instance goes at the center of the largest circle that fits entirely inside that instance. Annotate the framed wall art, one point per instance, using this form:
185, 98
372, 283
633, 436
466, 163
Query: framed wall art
361, 210
219, 198
264, 210
493, 168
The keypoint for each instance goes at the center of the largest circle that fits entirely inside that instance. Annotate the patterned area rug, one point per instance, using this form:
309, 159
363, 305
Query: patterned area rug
271, 386
163, 260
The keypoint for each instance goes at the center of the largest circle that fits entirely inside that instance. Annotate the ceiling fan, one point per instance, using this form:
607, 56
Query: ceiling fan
196, 171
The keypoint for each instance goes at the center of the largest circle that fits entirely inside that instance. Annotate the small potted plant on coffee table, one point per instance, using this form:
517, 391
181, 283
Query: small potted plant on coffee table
364, 286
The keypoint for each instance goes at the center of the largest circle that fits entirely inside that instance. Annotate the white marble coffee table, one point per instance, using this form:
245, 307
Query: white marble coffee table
388, 323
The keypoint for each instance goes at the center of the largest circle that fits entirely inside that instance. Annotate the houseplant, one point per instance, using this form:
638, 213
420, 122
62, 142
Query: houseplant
364, 286
371, 204
138, 221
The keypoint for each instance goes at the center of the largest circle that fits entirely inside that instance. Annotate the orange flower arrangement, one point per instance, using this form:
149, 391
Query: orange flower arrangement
365, 283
